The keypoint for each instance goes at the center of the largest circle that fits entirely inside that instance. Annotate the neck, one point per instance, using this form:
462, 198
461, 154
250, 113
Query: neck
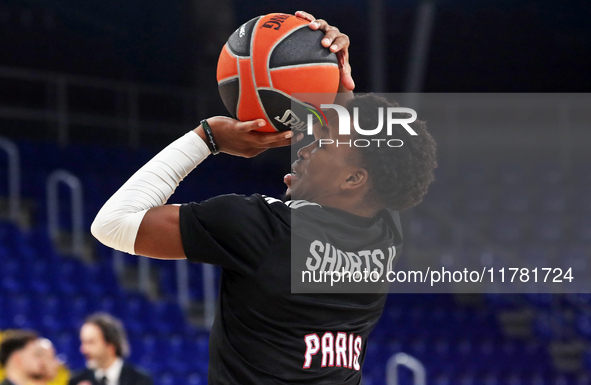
107, 364
360, 212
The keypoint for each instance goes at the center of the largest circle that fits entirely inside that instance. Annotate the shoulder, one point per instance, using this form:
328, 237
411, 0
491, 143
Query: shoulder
81, 376
137, 372
234, 207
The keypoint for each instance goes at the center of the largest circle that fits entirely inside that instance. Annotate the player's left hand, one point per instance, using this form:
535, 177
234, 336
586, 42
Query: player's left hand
241, 138
338, 43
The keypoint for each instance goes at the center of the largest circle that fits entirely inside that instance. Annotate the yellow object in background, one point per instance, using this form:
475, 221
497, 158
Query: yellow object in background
62, 378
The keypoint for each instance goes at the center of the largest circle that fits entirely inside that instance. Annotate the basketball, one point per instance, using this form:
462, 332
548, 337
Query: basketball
269, 59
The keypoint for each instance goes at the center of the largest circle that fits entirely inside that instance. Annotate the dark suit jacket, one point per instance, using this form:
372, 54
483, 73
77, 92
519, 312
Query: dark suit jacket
6, 382
129, 376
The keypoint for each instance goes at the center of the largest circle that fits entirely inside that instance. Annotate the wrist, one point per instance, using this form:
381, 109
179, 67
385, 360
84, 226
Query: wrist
199, 131
205, 132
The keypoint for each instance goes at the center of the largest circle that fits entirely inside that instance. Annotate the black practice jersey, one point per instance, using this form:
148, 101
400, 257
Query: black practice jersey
264, 334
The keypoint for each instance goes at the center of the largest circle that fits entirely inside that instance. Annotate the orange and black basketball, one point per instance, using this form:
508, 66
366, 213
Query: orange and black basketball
266, 61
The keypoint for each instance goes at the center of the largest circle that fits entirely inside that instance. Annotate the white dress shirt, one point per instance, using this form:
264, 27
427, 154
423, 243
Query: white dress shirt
112, 373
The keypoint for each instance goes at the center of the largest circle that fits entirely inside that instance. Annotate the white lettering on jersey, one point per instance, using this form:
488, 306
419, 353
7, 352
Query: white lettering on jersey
357, 354
345, 349
312, 347
341, 349
300, 203
313, 247
271, 200
327, 349
324, 257
350, 365
292, 204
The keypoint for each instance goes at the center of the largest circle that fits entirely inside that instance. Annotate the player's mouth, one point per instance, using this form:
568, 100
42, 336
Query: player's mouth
295, 174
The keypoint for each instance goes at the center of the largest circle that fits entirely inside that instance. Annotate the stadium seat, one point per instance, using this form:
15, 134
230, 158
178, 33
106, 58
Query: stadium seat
508, 229
511, 174
515, 199
549, 229
477, 200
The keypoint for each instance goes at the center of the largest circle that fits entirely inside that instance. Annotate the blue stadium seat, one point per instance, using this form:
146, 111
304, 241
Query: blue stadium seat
549, 229
9, 234
477, 200
548, 324
473, 173
549, 173
535, 255
440, 197
578, 299
112, 305
168, 378
583, 325
508, 229
515, 199
582, 229
426, 231
511, 174
76, 308
553, 199
442, 378
196, 379
504, 301
580, 202
576, 257
541, 300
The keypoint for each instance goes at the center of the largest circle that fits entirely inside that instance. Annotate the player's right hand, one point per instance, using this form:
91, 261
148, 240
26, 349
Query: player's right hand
338, 43
240, 138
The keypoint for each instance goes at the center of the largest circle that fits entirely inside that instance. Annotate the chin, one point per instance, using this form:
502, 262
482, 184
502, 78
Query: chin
91, 364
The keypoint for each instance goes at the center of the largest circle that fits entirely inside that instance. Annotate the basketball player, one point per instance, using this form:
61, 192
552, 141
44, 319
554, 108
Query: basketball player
264, 334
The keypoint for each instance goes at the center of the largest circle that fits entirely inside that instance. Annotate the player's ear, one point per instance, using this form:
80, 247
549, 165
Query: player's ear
357, 178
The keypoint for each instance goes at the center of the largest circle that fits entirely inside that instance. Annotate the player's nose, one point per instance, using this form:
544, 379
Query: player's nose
304, 152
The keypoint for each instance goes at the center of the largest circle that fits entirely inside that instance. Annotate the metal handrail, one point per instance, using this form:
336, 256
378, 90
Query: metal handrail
73, 182
182, 282
144, 268
59, 111
14, 178
209, 294
403, 359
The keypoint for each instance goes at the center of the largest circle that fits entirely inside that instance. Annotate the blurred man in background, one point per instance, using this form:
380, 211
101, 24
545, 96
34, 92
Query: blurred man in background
103, 343
21, 357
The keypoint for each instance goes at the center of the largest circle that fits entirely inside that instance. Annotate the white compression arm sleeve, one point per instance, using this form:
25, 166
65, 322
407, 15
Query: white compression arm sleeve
117, 223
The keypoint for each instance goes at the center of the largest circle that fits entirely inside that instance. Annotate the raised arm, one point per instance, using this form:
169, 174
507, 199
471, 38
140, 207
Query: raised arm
136, 218
137, 221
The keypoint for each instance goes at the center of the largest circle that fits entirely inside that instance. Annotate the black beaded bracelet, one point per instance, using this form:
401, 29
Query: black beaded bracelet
210, 142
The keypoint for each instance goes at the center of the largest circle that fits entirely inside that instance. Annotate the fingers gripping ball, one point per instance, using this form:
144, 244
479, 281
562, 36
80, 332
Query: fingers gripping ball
267, 60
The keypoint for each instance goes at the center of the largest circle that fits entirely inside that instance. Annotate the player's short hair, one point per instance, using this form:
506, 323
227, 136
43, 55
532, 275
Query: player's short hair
400, 176
13, 341
113, 332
